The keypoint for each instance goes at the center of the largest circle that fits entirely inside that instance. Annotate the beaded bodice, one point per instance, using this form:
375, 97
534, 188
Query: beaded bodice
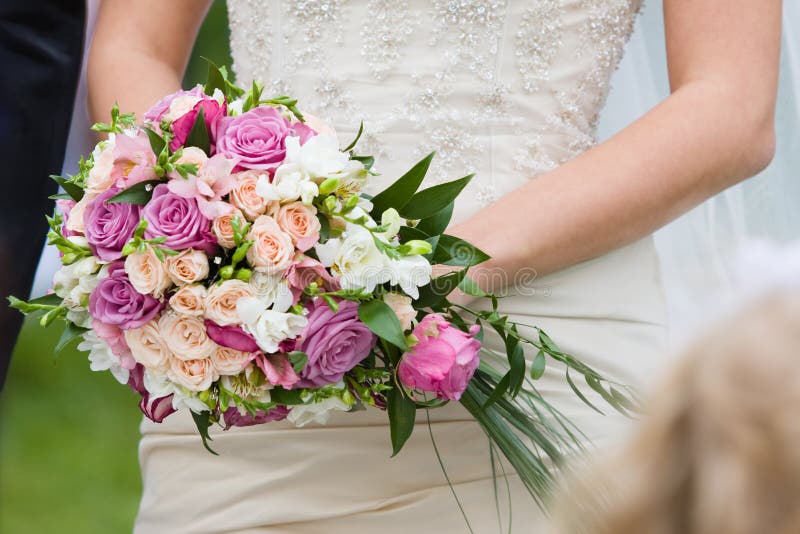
506, 89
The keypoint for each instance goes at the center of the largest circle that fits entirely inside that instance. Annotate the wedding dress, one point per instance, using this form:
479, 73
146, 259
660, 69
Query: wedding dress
504, 89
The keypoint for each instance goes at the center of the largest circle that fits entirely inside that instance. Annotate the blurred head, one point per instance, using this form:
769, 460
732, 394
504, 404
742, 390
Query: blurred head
719, 448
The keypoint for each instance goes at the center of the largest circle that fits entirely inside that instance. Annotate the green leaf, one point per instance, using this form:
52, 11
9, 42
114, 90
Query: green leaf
545, 340
298, 360
367, 161
400, 192
198, 135
402, 414
71, 333
358, 136
380, 318
139, 194
581, 396
431, 201
516, 361
437, 223
470, 287
499, 391
203, 423
538, 365
324, 227
286, 397
408, 233
60, 196
74, 191
157, 143
435, 293
457, 252
216, 79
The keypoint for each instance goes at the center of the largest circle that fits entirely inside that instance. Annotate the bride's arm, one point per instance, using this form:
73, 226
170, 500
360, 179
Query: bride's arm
139, 52
715, 130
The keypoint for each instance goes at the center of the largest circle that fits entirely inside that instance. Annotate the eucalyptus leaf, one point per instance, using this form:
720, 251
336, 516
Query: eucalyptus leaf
400, 192
402, 415
383, 322
429, 202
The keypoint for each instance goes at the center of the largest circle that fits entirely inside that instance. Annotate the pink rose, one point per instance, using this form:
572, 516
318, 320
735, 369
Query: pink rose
223, 228
244, 196
444, 359
189, 300
186, 337
109, 225
188, 267
222, 299
272, 250
213, 112
255, 138
306, 270
116, 302
178, 219
148, 348
301, 223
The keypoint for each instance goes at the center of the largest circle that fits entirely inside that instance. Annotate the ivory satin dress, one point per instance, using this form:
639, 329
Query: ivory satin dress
504, 89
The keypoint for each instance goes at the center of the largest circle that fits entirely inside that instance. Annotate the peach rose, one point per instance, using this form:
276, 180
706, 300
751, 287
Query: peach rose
189, 300
228, 361
147, 347
222, 298
147, 273
99, 178
185, 336
223, 228
192, 154
401, 306
272, 250
301, 223
187, 267
244, 196
75, 220
180, 106
194, 375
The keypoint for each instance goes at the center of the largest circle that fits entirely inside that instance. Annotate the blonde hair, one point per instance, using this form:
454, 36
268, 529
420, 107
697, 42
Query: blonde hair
718, 451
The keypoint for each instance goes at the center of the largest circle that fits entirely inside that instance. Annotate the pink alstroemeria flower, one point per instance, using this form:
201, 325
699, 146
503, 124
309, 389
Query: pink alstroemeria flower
134, 160
278, 369
213, 181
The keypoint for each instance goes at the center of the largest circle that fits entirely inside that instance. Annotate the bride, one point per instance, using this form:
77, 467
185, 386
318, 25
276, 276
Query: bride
511, 91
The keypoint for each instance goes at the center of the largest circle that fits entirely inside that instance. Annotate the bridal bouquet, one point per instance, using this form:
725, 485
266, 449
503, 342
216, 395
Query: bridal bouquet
221, 257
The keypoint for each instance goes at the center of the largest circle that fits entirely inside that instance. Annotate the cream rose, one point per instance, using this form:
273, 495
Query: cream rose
223, 228
244, 196
186, 336
222, 298
192, 154
75, 220
147, 273
187, 267
194, 375
99, 178
189, 300
228, 361
401, 306
148, 348
180, 106
272, 250
301, 223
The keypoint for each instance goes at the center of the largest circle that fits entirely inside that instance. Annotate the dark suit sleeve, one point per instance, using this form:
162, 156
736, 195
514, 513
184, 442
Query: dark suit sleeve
41, 44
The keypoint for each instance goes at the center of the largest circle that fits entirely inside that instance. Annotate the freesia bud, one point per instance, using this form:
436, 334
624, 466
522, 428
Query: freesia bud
328, 186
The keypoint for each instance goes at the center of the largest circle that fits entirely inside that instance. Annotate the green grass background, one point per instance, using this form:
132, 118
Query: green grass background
68, 436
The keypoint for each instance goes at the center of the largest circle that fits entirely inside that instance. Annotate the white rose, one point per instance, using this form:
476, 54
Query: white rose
410, 273
187, 267
356, 258
401, 306
318, 412
147, 273
268, 327
272, 290
147, 347
101, 358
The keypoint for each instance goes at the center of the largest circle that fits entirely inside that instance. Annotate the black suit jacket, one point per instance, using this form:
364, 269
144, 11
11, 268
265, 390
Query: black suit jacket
41, 44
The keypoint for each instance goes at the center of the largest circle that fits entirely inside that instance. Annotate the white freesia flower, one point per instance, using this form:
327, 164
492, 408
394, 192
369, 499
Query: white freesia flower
318, 412
268, 327
319, 157
75, 282
273, 290
410, 273
290, 183
235, 107
101, 358
157, 383
185, 399
357, 259
80, 317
